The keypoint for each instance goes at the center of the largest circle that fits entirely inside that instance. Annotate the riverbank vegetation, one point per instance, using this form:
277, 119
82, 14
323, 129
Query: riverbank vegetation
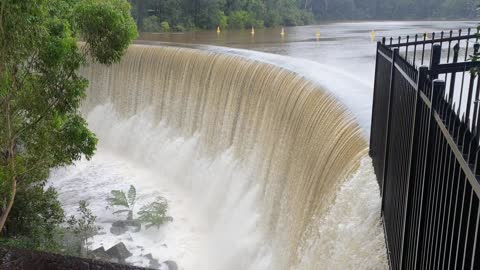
186, 15
40, 95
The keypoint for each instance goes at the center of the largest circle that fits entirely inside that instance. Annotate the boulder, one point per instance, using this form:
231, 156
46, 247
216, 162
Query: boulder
122, 226
119, 251
117, 229
171, 265
153, 263
100, 254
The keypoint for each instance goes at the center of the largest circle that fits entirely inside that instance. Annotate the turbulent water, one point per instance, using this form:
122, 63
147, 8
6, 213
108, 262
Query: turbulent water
263, 169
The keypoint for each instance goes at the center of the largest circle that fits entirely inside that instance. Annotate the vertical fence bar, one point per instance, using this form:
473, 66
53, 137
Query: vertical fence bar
374, 95
428, 167
435, 59
389, 117
422, 77
456, 50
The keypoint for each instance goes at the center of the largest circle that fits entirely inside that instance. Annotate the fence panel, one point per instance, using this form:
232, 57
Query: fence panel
403, 103
425, 151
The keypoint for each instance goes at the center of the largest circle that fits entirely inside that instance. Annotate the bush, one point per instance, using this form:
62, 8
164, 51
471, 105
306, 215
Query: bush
155, 213
84, 226
273, 19
259, 24
307, 17
292, 18
180, 28
222, 19
241, 19
35, 219
151, 24
164, 27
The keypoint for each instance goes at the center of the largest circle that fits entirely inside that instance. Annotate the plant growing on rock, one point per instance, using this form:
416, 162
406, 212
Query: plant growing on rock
118, 198
155, 213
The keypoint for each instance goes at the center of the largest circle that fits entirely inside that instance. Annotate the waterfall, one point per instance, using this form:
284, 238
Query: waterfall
316, 200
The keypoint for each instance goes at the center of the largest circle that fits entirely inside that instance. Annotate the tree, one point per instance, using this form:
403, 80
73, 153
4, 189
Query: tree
40, 89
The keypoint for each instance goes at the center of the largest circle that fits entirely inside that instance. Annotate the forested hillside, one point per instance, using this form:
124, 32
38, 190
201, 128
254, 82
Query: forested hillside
181, 15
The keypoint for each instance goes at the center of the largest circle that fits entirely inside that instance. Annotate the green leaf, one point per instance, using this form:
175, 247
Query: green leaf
118, 198
155, 213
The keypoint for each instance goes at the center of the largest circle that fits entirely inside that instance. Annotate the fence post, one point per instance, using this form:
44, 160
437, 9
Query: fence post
438, 88
456, 50
412, 162
389, 117
435, 59
371, 153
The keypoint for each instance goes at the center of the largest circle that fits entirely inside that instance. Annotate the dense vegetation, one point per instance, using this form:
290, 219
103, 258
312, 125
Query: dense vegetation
40, 94
180, 15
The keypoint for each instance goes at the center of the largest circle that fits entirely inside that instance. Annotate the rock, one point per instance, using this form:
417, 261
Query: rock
119, 251
100, 254
122, 226
153, 263
11, 258
171, 265
117, 230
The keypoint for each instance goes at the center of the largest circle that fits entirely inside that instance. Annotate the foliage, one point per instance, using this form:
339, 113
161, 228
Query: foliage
241, 19
35, 219
165, 27
106, 26
222, 20
84, 226
155, 213
208, 14
118, 198
151, 24
180, 28
40, 95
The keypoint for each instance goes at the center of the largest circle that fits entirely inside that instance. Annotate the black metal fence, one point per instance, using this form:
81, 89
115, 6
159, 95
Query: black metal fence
425, 149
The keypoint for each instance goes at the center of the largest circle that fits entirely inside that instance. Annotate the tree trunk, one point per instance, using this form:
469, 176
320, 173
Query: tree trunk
6, 212
11, 165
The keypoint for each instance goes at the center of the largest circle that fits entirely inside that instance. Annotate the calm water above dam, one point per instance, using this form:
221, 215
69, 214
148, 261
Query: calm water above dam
347, 45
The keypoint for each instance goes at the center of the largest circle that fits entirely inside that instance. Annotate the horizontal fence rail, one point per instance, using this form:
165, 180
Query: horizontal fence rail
425, 149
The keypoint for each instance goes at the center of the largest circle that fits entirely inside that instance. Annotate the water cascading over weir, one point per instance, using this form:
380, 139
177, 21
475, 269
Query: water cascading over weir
316, 196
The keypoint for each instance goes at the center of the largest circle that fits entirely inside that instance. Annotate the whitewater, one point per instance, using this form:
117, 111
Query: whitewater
263, 167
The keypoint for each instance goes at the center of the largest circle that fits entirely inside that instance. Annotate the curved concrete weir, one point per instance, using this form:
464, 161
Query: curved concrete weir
307, 197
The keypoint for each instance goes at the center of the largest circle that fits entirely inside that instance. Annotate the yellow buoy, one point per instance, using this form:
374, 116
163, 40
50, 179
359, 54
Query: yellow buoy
372, 35
218, 29
317, 34
253, 31
283, 32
